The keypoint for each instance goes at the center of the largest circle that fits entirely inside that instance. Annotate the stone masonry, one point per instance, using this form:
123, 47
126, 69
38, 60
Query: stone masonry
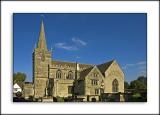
60, 78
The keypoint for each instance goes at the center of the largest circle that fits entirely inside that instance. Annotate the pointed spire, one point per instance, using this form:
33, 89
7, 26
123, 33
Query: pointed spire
42, 39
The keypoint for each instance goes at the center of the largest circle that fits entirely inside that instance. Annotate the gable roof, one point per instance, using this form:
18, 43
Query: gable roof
84, 73
103, 67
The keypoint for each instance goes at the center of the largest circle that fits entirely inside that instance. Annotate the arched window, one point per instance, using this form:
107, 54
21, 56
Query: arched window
115, 85
58, 74
70, 75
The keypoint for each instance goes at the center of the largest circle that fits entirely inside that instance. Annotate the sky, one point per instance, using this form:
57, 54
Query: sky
85, 38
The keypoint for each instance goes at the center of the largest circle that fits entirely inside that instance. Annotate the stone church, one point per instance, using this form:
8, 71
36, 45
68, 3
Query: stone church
52, 78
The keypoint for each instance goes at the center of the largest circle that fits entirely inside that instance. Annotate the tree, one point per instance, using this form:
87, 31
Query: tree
139, 83
142, 79
140, 89
136, 84
126, 85
19, 77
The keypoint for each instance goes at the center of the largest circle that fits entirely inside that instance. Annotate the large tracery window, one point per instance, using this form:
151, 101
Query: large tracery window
58, 74
115, 85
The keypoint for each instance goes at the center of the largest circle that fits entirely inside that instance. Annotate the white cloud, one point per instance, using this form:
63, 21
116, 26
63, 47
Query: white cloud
66, 47
139, 67
76, 44
78, 57
128, 65
141, 64
79, 42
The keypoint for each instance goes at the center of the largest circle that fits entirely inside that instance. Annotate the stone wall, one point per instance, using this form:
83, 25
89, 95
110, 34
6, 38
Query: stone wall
28, 90
40, 85
62, 87
46, 68
64, 73
89, 86
41, 63
114, 72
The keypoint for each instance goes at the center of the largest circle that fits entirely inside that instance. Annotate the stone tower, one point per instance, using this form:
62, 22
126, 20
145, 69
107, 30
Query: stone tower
41, 63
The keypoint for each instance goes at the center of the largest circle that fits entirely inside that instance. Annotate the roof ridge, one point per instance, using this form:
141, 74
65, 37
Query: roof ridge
85, 72
104, 66
106, 62
89, 68
70, 62
62, 61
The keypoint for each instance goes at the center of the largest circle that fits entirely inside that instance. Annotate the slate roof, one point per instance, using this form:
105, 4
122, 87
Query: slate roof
104, 66
84, 73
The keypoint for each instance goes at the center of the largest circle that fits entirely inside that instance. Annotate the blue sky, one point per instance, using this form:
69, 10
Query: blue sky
86, 38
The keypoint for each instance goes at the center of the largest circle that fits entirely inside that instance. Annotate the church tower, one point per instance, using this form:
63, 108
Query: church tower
41, 63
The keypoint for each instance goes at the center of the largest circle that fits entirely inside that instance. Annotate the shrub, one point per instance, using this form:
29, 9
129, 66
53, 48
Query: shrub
19, 94
60, 99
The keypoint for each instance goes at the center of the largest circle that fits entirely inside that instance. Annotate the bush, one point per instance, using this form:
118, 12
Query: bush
19, 94
60, 99
136, 97
30, 98
111, 99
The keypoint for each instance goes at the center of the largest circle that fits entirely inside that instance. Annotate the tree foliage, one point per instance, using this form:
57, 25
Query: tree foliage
136, 84
19, 94
19, 77
139, 83
142, 79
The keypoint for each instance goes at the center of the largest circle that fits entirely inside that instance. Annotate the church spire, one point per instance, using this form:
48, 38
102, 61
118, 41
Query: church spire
42, 39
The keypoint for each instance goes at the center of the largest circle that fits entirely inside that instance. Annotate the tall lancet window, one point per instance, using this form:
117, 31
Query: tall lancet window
70, 75
58, 74
115, 85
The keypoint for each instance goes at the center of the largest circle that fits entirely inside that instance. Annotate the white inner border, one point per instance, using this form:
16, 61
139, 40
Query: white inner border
151, 8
